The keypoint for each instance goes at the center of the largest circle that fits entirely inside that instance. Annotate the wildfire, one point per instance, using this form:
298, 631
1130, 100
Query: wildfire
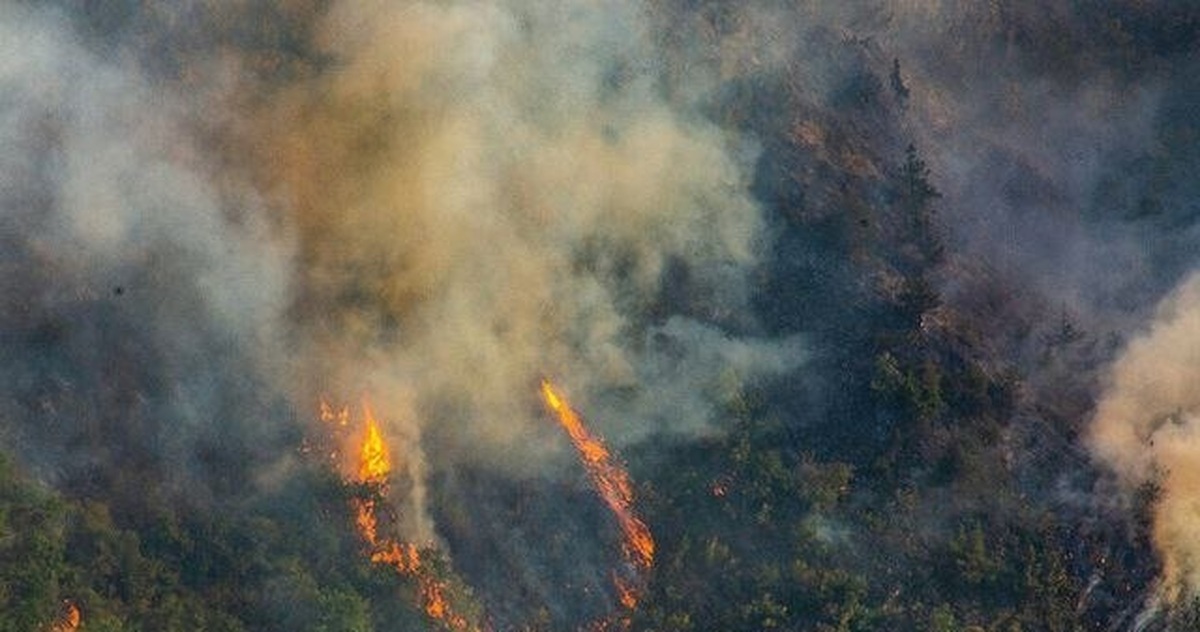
69, 618
374, 467
374, 463
626, 594
612, 482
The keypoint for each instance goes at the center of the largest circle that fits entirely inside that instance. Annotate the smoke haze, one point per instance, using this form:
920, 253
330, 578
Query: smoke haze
487, 193
146, 298
436, 206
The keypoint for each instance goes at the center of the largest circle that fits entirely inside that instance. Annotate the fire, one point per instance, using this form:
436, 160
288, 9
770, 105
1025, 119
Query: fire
69, 618
373, 468
626, 594
612, 482
374, 463
340, 417
406, 559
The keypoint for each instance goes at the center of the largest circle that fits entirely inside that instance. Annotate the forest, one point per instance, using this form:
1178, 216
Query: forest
868, 315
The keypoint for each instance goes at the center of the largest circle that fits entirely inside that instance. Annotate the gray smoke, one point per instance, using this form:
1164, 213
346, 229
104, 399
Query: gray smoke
145, 295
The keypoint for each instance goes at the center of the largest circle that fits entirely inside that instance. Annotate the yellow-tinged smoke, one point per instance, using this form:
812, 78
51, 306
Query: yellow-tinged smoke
488, 190
430, 202
1147, 429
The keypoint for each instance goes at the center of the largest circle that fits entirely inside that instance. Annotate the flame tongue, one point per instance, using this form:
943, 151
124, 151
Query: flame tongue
374, 462
612, 483
374, 466
406, 559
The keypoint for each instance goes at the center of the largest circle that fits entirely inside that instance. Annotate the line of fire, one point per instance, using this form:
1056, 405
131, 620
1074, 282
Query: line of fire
371, 475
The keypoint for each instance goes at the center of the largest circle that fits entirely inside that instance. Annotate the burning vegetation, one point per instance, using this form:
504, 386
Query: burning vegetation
372, 468
613, 485
69, 618
961, 213
372, 471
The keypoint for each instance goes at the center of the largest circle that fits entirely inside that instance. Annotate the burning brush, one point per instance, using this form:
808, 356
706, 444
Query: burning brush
606, 474
374, 467
612, 483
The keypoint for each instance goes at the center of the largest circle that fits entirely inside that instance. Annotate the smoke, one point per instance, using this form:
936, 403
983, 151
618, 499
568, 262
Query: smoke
490, 192
1063, 192
1147, 429
213, 216
427, 205
1060, 135
1063, 188
462, 198
144, 295
1043, 158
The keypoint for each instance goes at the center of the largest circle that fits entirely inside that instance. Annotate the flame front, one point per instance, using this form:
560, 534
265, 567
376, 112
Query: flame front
373, 468
374, 465
406, 559
612, 483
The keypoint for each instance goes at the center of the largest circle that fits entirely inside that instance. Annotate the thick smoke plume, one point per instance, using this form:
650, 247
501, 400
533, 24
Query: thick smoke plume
1147, 429
490, 192
430, 206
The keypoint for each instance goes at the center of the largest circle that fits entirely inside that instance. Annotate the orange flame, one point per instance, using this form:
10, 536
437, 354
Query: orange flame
69, 618
340, 417
626, 594
406, 559
374, 466
403, 557
610, 479
612, 482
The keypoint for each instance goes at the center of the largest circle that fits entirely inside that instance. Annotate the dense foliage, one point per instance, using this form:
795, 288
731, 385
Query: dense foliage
289, 562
